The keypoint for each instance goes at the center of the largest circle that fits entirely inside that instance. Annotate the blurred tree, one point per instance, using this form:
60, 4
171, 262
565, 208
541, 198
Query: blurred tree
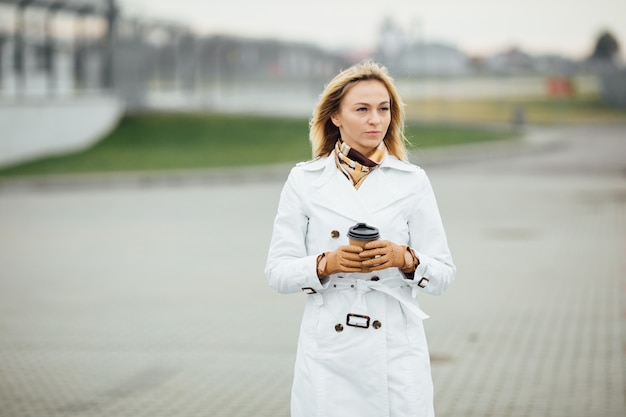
604, 62
606, 48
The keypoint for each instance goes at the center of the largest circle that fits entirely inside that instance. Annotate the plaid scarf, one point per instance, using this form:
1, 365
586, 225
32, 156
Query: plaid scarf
354, 164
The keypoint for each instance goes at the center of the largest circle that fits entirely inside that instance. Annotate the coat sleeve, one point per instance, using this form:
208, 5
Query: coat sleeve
289, 268
429, 242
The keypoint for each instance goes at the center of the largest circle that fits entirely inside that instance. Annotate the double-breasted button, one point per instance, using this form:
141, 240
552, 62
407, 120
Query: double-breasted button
339, 327
334, 234
376, 324
374, 279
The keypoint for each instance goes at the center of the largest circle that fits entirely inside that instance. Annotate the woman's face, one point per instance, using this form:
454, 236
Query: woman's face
364, 115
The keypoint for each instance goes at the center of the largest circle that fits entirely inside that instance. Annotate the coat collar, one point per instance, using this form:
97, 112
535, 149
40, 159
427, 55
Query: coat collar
380, 189
327, 163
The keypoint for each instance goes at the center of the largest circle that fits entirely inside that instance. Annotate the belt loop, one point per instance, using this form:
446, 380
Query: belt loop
414, 291
319, 300
362, 287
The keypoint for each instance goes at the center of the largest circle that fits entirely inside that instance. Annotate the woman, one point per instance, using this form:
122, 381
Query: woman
361, 350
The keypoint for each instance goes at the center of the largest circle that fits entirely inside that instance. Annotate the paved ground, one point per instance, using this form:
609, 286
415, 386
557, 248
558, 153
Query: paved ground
129, 297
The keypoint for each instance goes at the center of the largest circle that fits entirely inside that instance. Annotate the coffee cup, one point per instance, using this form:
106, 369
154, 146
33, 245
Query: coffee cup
361, 233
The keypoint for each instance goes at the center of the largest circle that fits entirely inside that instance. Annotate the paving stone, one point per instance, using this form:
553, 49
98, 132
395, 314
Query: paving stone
122, 301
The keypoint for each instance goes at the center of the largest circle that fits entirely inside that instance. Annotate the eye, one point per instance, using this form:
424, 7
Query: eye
361, 109
385, 108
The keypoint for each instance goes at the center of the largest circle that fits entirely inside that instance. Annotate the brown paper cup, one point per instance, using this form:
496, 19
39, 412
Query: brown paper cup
360, 234
357, 242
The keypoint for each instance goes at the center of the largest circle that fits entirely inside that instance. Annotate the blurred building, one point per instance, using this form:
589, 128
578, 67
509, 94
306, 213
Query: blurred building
70, 47
50, 47
76, 47
408, 56
163, 65
420, 59
56, 68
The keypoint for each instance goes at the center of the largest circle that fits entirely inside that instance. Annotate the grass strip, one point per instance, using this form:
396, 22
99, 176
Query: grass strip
535, 110
143, 142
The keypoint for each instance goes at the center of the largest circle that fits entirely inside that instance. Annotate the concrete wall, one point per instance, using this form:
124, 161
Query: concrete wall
37, 127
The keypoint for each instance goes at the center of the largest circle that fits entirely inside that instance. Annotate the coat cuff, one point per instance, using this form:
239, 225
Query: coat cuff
419, 275
309, 280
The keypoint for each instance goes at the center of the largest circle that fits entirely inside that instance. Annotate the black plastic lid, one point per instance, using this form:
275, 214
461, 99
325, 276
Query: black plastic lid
362, 231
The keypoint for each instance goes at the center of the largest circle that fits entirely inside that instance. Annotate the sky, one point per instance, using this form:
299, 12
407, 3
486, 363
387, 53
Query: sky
479, 27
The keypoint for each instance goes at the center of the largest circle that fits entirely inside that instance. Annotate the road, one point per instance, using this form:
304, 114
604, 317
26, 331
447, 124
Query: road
147, 298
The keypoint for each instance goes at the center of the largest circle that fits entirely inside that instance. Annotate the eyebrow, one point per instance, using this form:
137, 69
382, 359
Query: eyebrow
367, 104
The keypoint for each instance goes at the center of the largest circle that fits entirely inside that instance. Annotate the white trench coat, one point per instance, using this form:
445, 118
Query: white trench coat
362, 349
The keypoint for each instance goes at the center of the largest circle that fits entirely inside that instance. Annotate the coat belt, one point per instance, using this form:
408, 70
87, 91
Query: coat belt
392, 287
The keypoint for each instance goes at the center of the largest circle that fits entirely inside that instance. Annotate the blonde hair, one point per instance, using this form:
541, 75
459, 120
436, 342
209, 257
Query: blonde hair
323, 134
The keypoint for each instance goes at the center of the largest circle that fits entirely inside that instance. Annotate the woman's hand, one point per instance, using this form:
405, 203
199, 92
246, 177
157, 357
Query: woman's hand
343, 259
381, 254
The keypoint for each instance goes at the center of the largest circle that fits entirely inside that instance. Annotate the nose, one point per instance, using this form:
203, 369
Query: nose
374, 118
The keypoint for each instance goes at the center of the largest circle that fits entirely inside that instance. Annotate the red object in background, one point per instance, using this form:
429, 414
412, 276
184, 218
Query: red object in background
559, 87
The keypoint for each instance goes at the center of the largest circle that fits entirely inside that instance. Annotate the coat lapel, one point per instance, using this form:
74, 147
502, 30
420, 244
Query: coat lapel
333, 191
379, 190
